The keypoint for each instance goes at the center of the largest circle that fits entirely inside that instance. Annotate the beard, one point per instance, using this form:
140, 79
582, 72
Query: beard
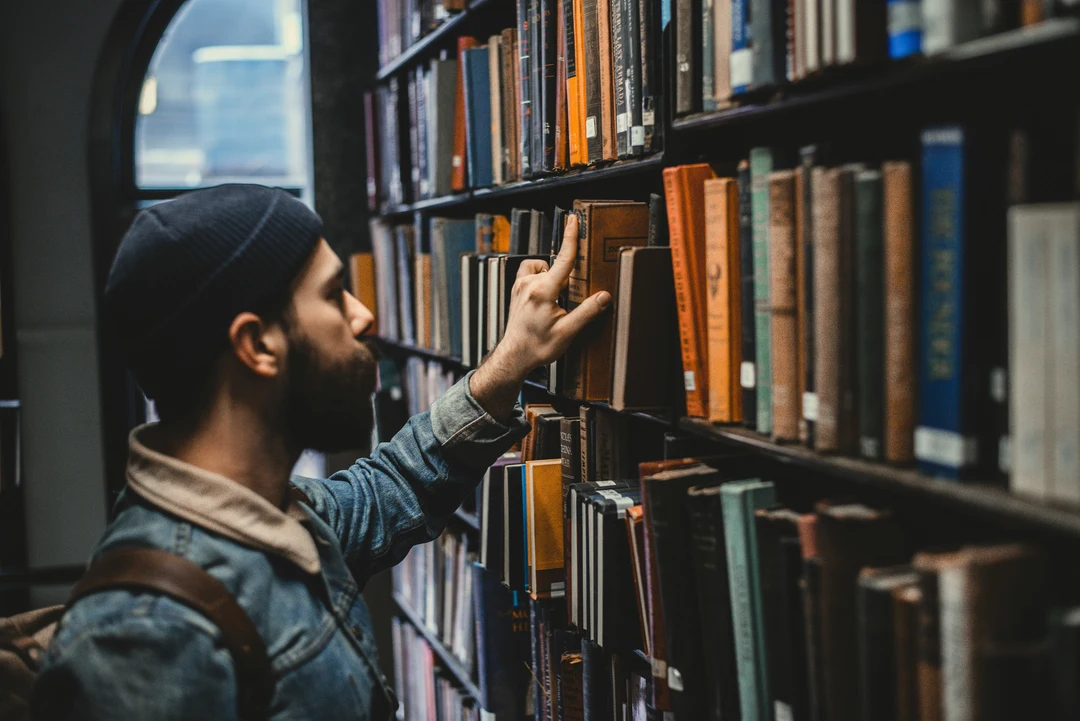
328, 403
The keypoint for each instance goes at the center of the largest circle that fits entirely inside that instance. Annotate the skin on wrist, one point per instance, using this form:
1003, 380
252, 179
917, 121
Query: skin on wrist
496, 385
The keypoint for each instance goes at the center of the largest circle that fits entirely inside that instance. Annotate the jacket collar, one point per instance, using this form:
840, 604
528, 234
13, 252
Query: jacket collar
218, 504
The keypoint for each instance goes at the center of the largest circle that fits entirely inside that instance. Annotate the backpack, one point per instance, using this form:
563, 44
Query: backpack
24, 638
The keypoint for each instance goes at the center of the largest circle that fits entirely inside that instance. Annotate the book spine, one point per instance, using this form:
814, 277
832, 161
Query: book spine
722, 53
739, 504
372, 145
827, 307
747, 308
761, 164
576, 140
904, 28
549, 44
848, 357
536, 81
511, 105
899, 250
870, 305
687, 56
618, 52
607, 79
562, 130
649, 25
768, 23
784, 335
808, 399
717, 299
742, 60
498, 176
1029, 300
523, 81
1064, 440
943, 444
708, 55
594, 131
415, 187
632, 29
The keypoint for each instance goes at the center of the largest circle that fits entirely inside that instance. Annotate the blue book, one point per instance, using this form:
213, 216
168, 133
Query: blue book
742, 60
939, 438
477, 83
502, 647
739, 501
449, 240
905, 28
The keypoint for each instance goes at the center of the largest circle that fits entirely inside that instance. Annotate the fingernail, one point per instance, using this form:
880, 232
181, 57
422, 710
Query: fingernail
603, 299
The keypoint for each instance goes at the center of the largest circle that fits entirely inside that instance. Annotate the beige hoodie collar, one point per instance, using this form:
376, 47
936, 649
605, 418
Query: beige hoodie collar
218, 504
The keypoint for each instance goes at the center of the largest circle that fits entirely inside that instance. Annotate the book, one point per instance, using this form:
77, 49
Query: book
783, 321
904, 28
632, 46
384, 256
906, 600
723, 299
616, 628
511, 106
768, 32
879, 639
684, 191
645, 364
362, 281
688, 51
609, 142
459, 174
477, 84
604, 227
946, 23
594, 125
442, 85
499, 171
635, 534
422, 302
372, 149
524, 84
503, 645
805, 237
742, 61
870, 312
547, 60
899, 255
544, 502
650, 21
747, 303
576, 80
761, 164
619, 42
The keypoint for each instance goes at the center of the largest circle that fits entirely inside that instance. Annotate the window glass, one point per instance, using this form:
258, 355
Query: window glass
225, 98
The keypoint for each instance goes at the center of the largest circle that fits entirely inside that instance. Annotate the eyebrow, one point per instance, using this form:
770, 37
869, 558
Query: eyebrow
336, 278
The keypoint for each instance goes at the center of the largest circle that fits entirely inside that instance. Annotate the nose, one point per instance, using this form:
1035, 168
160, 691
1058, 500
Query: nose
361, 319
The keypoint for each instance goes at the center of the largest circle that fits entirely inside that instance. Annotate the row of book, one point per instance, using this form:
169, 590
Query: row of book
727, 49
403, 22
573, 84
744, 607
426, 691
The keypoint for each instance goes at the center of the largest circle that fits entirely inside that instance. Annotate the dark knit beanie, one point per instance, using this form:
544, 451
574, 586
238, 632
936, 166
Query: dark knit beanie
188, 267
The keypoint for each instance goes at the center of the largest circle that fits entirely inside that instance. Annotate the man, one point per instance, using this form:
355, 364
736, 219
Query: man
230, 308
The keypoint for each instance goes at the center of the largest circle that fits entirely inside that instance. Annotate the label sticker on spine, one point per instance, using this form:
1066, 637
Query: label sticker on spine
590, 127
809, 406
688, 381
946, 448
747, 376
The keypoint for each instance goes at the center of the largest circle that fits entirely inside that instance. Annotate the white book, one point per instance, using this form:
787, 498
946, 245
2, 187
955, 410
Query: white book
957, 644
1064, 341
811, 46
495, 69
493, 296
1029, 399
845, 31
466, 309
828, 32
481, 311
949, 22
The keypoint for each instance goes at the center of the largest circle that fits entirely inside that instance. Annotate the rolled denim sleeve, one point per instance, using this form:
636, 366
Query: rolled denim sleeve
403, 494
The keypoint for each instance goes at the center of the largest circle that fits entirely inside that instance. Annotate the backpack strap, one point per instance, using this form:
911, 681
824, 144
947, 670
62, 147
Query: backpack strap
186, 583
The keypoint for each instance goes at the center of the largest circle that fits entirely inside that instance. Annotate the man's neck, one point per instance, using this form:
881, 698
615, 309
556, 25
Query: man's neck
235, 442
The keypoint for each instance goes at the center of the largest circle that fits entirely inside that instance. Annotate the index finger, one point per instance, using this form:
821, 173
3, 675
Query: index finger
564, 262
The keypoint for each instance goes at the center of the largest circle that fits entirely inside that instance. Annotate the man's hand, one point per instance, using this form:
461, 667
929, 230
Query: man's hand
537, 330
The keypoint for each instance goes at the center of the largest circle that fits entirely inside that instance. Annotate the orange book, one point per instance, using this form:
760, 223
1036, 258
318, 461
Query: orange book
362, 275
500, 240
784, 325
684, 188
723, 299
457, 162
575, 80
544, 505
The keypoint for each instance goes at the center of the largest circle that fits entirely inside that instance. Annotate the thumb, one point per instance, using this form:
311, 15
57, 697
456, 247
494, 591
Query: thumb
573, 322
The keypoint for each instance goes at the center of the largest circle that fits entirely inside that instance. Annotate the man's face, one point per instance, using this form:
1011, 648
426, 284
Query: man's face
329, 373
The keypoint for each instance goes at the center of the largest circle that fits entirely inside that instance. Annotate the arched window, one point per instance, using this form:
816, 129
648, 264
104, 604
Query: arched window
225, 100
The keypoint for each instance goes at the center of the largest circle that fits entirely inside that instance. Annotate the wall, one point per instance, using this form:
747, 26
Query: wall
48, 51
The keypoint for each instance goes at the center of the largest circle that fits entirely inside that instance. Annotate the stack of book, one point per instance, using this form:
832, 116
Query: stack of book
425, 689
574, 83
694, 587
727, 50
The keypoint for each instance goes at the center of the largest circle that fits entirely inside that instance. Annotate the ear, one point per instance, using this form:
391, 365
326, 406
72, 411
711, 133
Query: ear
258, 345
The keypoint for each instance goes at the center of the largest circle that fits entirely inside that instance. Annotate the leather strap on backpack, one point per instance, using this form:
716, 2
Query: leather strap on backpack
186, 583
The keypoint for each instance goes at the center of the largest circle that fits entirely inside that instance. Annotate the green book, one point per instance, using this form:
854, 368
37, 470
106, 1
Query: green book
739, 501
870, 311
761, 164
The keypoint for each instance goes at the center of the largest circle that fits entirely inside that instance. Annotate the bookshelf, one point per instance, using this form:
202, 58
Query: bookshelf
434, 41
449, 662
861, 114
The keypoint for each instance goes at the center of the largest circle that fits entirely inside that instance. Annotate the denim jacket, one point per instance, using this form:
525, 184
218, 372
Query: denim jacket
298, 573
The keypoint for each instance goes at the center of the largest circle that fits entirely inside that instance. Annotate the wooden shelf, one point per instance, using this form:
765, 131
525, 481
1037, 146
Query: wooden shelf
1028, 45
1003, 507
396, 347
449, 661
427, 46
619, 169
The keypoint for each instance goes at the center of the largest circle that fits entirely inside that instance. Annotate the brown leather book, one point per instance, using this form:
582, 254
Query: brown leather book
607, 81
458, 177
510, 104
572, 703
929, 565
684, 189
635, 534
849, 538
645, 345
827, 307
906, 602
533, 411
605, 226
899, 313
802, 178
362, 275
422, 278
993, 607
785, 330
723, 299
562, 130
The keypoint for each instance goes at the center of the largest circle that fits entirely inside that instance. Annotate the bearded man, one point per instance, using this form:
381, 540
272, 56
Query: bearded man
231, 310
